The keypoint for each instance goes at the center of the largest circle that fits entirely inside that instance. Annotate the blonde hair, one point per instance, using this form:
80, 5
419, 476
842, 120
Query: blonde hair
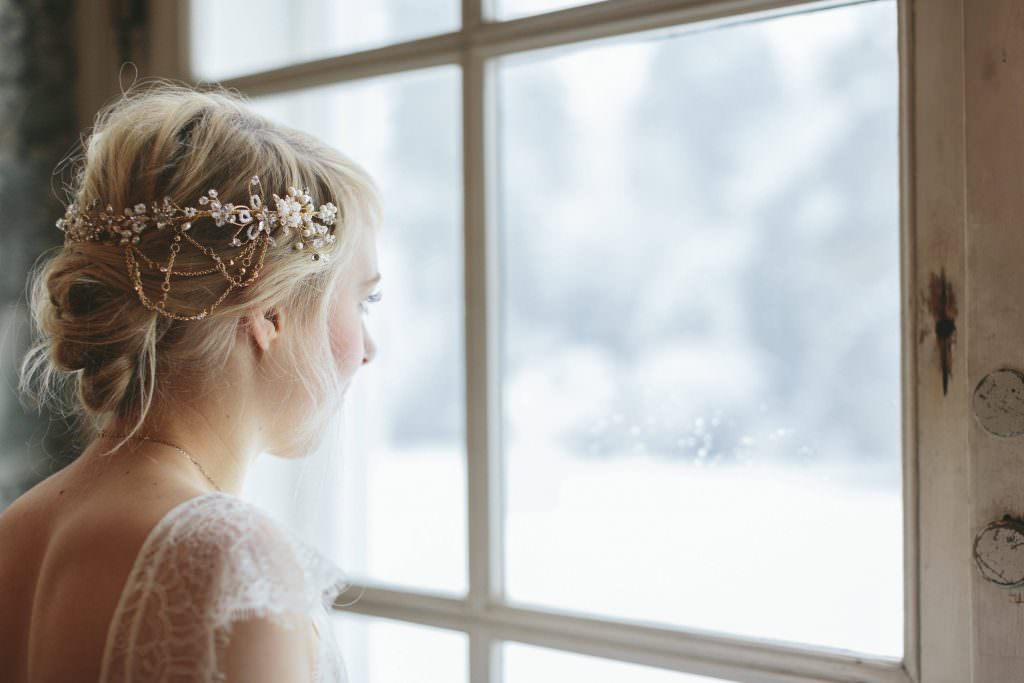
97, 352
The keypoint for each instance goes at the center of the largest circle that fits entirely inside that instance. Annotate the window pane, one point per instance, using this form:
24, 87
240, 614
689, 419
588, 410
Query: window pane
397, 498
385, 651
530, 664
515, 9
701, 349
234, 37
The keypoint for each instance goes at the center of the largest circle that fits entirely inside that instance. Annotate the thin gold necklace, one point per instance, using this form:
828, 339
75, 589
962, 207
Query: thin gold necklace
178, 448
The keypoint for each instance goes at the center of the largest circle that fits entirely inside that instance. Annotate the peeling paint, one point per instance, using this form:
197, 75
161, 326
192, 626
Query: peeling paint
999, 552
998, 402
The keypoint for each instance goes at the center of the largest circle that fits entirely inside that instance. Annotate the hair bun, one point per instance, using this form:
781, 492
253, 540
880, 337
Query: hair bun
70, 356
97, 350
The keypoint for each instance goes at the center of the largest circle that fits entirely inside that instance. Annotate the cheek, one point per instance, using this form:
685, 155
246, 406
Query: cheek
347, 341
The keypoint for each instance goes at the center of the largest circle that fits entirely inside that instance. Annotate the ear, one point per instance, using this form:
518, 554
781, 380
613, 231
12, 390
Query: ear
265, 327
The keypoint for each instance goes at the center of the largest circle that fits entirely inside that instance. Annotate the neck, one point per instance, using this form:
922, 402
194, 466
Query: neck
224, 443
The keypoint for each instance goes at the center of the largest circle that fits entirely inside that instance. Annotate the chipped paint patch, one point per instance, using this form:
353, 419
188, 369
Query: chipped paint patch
998, 402
999, 552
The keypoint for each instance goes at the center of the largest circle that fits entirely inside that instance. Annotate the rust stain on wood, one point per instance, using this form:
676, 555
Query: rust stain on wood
942, 306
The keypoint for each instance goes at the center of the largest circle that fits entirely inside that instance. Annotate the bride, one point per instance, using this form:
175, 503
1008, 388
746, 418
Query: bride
206, 306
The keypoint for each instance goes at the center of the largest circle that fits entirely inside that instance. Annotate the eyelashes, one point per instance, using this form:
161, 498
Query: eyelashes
372, 299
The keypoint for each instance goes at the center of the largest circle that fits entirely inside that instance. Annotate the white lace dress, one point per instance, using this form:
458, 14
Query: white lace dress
210, 561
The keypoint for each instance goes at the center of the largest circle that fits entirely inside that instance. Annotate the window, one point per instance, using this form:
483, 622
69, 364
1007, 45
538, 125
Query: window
636, 411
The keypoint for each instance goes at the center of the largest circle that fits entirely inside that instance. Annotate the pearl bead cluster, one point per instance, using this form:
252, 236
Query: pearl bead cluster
258, 226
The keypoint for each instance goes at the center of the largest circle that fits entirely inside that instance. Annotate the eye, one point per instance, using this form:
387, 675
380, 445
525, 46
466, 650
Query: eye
372, 299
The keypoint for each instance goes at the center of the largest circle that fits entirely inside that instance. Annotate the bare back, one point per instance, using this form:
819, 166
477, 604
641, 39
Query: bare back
66, 549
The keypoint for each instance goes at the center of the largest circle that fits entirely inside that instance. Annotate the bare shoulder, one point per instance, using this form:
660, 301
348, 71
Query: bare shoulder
260, 650
68, 550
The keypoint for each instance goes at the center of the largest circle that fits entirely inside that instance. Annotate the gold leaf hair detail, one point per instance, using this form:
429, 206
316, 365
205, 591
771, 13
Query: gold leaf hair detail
257, 227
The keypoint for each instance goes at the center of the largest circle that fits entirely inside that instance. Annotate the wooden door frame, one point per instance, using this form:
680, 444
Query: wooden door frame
993, 208
936, 428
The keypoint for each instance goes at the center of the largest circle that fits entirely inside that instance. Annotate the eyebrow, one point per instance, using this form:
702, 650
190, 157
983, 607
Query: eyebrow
373, 280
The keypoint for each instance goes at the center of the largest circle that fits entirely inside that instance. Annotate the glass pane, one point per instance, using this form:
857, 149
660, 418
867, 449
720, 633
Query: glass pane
395, 494
530, 664
235, 37
701, 351
384, 651
515, 9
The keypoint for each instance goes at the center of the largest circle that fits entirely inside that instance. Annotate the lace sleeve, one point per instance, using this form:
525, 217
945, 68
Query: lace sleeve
210, 563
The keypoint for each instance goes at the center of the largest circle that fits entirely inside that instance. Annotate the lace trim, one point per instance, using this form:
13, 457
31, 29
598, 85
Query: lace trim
238, 563
169, 517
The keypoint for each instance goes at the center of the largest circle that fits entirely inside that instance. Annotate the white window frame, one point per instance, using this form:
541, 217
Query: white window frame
936, 502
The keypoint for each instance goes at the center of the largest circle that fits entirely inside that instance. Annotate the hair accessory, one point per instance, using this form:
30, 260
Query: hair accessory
257, 225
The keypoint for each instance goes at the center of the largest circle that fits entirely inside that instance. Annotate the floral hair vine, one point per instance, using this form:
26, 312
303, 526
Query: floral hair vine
258, 226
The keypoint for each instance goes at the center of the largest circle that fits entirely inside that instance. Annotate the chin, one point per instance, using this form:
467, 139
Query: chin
291, 452
305, 439
301, 422
295, 450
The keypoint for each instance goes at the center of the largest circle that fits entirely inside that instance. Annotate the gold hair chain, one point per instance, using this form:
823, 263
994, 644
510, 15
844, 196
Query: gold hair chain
254, 227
